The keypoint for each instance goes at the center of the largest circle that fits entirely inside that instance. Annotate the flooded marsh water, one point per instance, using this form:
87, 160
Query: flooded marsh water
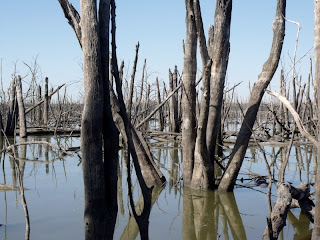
55, 197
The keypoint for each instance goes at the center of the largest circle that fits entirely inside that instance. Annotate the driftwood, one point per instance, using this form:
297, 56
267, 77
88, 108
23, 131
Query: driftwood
279, 213
288, 197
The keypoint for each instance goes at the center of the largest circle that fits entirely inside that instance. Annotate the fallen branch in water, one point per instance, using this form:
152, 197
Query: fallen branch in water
61, 149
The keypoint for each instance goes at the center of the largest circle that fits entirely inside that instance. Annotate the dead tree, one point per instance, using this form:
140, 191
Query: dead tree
203, 171
219, 53
173, 104
13, 108
22, 117
46, 103
189, 95
229, 178
316, 226
100, 177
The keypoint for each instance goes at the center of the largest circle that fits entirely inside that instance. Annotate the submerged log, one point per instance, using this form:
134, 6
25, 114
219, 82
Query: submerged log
279, 213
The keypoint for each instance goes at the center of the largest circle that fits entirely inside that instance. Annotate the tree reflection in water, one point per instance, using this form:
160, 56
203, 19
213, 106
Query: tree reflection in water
201, 210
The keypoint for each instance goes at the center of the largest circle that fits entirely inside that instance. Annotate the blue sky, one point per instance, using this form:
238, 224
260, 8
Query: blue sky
37, 28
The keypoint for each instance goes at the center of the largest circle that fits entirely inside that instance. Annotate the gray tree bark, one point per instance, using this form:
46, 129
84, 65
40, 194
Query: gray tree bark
173, 104
46, 103
229, 178
97, 128
189, 95
219, 53
12, 112
316, 226
22, 117
91, 125
203, 172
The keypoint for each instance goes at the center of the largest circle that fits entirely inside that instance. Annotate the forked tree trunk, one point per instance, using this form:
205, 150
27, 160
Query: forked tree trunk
22, 118
203, 171
219, 53
316, 226
229, 178
189, 95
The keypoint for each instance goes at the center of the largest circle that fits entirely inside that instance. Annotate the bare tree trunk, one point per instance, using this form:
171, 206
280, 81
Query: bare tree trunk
133, 74
316, 225
189, 95
203, 172
160, 111
22, 118
12, 113
219, 53
229, 178
46, 103
40, 107
109, 130
91, 125
99, 173
173, 104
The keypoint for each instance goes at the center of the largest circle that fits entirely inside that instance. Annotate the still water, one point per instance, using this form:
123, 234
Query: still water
55, 197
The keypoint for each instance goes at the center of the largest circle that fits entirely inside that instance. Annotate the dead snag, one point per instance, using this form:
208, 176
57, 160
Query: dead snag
316, 226
13, 109
219, 53
22, 117
160, 111
229, 178
189, 94
173, 104
46, 103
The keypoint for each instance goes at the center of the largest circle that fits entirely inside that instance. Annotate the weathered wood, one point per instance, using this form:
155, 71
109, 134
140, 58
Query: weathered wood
279, 213
46, 103
229, 178
42, 100
316, 226
22, 118
13, 108
133, 76
189, 94
160, 111
219, 53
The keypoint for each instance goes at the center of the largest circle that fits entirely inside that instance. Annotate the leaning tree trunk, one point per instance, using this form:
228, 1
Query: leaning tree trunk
316, 225
229, 178
189, 95
219, 52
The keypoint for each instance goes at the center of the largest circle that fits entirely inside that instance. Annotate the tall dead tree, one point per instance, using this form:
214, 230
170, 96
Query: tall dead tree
229, 178
219, 53
173, 104
316, 225
97, 129
22, 117
203, 172
13, 107
46, 103
189, 94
